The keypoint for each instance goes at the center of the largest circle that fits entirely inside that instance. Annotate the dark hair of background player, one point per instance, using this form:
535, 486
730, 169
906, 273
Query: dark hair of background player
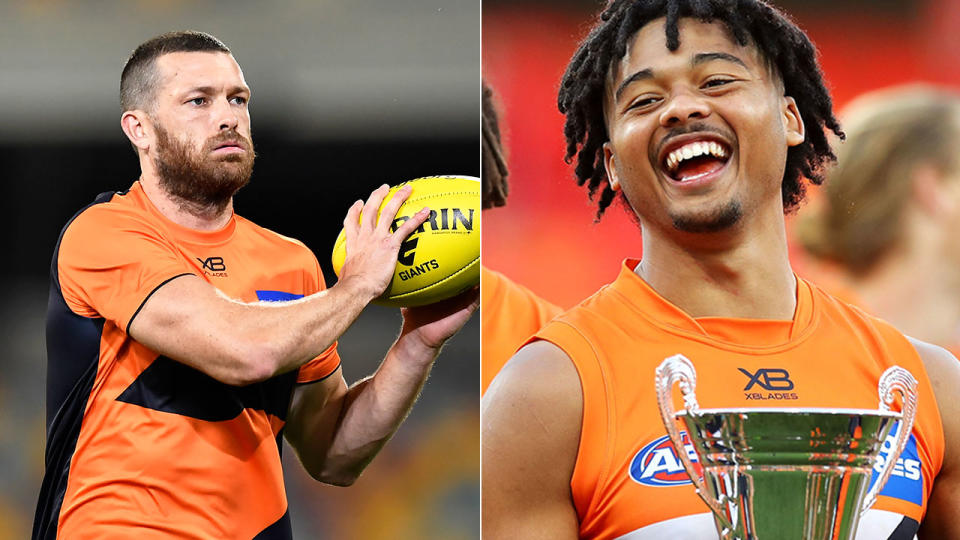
494, 172
785, 48
140, 78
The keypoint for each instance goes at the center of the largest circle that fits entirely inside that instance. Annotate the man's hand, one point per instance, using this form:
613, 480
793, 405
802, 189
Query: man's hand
432, 325
371, 248
336, 431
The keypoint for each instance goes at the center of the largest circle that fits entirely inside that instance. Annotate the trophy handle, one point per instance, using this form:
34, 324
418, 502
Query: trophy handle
895, 378
678, 369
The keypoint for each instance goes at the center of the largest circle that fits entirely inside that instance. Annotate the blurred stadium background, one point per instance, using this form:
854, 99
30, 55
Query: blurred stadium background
346, 96
864, 45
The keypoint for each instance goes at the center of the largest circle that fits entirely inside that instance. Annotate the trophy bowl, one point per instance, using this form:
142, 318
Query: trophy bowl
786, 473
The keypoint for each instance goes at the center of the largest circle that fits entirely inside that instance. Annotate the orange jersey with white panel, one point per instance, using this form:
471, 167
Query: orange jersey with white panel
628, 482
139, 445
509, 314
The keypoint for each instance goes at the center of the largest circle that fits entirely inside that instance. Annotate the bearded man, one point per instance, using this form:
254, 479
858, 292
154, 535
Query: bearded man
184, 340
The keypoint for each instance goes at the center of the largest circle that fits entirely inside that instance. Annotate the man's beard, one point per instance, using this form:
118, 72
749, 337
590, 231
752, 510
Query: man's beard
721, 218
203, 183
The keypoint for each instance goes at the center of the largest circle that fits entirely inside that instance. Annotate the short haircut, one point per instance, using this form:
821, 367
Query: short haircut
139, 80
892, 133
785, 48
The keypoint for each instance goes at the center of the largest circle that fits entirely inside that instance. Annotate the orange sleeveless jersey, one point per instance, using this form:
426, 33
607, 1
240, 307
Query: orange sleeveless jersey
139, 445
628, 482
509, 314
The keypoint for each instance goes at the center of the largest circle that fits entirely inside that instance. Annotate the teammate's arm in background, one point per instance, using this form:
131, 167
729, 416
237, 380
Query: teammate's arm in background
531, 416
188, 320
942, 519
337, 431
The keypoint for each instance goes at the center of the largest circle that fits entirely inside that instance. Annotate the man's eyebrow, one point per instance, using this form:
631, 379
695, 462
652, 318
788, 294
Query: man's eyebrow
702, 58
643, 74
699, 58
211, 90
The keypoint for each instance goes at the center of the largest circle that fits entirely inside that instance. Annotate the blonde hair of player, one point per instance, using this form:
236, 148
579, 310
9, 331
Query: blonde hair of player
890, 213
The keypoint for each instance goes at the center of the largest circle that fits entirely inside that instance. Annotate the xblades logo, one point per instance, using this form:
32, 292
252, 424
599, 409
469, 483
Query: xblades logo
772, 379
213, 266
775, 381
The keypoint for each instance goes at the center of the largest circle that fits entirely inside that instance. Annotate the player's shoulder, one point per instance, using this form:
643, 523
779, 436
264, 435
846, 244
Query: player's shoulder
270, 240
104, 205
505, 291
943, 372
111, 215
830, 298
843, 306
540, 371
539, 377
491, 280
593, 319
539, 357
941, 365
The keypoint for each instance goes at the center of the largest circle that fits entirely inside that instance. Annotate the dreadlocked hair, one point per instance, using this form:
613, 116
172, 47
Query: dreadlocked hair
494, 172
781, 43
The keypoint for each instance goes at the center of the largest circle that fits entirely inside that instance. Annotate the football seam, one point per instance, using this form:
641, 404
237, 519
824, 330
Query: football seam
435, 195
451, 276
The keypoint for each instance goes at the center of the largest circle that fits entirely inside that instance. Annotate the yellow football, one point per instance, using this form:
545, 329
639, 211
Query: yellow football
442, 257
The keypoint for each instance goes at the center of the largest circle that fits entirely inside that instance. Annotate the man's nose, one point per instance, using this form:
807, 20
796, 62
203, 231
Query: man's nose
227, 117
682, 107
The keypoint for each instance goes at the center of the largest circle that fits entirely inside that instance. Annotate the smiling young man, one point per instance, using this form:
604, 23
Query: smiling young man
183, 340
706, 117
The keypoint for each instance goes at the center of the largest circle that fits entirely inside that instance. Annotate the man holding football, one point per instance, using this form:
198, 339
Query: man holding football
184, 340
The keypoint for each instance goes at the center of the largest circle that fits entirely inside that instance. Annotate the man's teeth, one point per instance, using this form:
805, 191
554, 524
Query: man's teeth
692, 150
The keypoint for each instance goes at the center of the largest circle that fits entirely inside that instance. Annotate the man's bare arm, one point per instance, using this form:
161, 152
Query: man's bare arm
531, 417
943, 509
188, 320
337, 432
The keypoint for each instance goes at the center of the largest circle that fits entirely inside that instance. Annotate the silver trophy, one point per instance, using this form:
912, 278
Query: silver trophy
787, 473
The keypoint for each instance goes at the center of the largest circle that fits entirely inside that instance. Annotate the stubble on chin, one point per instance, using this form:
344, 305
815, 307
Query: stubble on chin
719, 219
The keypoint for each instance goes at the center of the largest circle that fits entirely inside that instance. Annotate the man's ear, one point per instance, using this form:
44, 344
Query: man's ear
610, 164
793, 122
138, 128
931, 192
